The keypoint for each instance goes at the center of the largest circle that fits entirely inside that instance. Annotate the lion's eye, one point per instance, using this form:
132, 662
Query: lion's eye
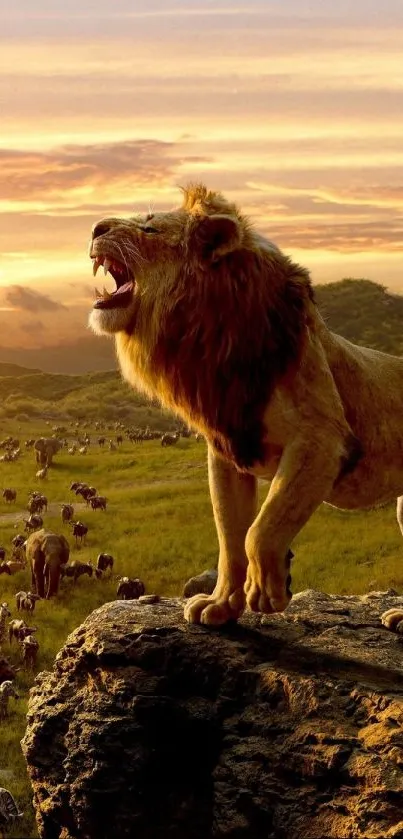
149, 229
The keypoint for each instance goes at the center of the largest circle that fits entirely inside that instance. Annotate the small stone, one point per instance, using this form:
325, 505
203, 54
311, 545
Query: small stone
148, 599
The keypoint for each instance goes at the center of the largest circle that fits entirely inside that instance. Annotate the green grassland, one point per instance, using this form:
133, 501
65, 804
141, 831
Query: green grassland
159, 526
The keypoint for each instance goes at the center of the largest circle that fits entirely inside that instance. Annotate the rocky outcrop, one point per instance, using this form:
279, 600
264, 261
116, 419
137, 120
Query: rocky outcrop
280, 727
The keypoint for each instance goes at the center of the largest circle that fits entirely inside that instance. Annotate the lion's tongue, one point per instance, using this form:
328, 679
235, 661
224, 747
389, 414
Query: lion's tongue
123, 288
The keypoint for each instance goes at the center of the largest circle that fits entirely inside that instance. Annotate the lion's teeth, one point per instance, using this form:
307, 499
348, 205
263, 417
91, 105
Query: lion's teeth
107, 265
97, 293
106, 293
95, 265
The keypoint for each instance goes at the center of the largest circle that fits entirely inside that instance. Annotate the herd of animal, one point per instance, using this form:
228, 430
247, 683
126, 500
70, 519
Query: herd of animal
46, 554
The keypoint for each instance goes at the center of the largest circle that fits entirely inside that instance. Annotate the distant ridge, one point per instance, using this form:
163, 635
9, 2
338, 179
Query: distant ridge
15, 370
88, 354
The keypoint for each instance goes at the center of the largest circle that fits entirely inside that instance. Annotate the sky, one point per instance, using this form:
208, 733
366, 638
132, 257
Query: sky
291, 108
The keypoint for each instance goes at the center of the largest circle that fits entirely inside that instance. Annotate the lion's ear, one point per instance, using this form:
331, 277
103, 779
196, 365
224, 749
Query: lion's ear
218, 235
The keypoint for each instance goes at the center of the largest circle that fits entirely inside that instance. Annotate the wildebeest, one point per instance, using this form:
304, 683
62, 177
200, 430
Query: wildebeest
80, 530
12, 566
2, 554
4, 614
129, 589
104, 561
98, 502
66, 512
18, 629
29, 647
18, 540
9, 495
170, 439
9, 811
35, 522
26, 600
7, 689
76, 569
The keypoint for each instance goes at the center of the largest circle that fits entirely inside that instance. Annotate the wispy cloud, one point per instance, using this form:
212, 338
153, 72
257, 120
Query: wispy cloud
28, 300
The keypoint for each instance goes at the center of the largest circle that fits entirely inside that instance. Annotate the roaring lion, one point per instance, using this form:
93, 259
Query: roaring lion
222, 327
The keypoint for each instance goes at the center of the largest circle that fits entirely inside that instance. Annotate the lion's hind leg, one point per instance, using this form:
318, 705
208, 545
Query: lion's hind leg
393, 619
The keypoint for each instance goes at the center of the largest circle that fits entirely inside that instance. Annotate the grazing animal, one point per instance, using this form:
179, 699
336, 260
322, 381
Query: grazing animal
9, 495
7, 690
98, 502
13, 566
80, 530
9, 812
2, 554
278, 397
170, 439
46, 552
30, 647
41, 474
4, 614
18, 629
76, 569
34, 522
104, 561
67, 512
19, 540
129, 589
37, 503
25, 600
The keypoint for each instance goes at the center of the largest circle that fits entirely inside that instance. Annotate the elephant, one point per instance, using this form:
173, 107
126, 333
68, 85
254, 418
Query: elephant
45, 449
46, 552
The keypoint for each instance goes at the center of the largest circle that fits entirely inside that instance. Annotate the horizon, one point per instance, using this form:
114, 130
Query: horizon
297, 119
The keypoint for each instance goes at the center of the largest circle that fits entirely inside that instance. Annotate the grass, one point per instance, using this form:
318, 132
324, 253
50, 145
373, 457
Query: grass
159, 527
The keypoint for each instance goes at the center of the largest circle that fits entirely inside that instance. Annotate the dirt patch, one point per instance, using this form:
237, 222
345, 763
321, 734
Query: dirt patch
53, 509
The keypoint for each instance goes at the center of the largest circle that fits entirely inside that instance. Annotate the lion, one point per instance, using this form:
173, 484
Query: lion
217, 323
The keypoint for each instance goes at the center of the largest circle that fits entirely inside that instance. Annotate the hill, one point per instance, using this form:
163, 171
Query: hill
360, 310
15, 370
363, 312
89, 353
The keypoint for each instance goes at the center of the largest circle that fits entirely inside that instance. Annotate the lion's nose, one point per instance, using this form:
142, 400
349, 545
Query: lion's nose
101, 228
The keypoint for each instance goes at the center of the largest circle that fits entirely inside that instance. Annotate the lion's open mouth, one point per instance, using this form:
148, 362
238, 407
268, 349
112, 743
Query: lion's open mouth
125, 284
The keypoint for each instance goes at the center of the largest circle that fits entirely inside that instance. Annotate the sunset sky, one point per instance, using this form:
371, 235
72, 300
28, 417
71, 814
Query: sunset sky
294, 109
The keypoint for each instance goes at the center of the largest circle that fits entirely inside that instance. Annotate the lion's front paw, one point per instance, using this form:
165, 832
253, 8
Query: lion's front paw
393, 620
268, 590
214, 610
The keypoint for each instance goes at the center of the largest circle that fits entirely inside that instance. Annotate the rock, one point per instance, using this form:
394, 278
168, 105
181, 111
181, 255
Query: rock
149, 599
204, 583
279, 727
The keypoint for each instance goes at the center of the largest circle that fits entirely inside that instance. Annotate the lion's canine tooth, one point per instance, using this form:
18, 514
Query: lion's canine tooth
107, 264
106, 293
95, 265
98, 293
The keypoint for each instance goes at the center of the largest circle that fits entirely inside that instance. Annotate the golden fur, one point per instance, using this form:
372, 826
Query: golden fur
223, 329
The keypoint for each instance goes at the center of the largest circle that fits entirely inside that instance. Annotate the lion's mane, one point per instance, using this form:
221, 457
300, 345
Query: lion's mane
221, 337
